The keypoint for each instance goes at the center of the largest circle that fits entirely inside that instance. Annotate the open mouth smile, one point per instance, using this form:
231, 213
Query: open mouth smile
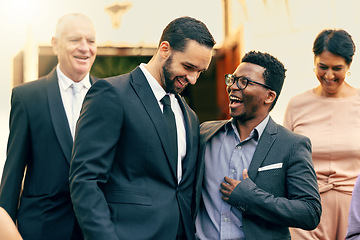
235, 101
182, 81
330, 81
81, 57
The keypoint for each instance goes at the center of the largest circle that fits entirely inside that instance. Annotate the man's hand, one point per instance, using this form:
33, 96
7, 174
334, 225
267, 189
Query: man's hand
229, 185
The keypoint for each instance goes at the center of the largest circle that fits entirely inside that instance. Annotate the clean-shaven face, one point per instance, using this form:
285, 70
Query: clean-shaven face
75, 47
248, 104
331, 72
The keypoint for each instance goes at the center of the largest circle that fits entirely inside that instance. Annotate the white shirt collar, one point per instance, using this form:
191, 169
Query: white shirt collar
65, 82
158, 91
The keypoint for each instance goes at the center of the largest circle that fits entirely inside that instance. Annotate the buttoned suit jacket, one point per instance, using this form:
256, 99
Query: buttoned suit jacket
39, 144
272, 200
123, 173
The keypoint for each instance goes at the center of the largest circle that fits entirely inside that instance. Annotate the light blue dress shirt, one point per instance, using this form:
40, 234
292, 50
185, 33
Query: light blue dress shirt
225, 155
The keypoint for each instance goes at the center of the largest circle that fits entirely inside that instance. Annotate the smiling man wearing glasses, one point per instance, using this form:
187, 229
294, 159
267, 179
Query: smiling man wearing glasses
255, 179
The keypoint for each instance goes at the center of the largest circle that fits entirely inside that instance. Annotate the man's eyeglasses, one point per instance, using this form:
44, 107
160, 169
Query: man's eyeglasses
241, 82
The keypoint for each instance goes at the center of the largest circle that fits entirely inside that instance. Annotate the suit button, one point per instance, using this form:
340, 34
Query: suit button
241, 208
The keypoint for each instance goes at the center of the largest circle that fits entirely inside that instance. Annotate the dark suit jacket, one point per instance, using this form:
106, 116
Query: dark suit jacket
39, 143
272, 200
122, 180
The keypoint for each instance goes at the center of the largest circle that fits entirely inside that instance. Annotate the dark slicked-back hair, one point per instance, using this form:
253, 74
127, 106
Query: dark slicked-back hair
338, 42
274, 74
182, 29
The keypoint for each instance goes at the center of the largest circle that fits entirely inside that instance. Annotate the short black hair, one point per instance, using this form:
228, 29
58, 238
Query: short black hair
337, 41
182, 29
274, 74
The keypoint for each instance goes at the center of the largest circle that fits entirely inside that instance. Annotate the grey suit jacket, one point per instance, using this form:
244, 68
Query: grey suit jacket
40, 142
123, 182
281, 190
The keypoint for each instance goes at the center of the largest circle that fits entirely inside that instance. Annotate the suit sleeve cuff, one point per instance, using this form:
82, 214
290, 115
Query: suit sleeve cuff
241, 193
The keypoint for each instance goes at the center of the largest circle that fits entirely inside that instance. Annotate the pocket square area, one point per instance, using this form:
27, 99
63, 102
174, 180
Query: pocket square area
271, 166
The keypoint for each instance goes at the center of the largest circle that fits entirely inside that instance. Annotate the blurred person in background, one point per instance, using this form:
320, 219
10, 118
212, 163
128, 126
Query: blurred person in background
42, 122
329, 115
353, 231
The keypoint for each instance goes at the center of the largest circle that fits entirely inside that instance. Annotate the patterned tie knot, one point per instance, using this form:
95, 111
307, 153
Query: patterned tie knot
165, 100
77, 87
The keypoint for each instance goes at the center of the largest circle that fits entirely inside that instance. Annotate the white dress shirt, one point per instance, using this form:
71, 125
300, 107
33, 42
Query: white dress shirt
159, 93
66, 92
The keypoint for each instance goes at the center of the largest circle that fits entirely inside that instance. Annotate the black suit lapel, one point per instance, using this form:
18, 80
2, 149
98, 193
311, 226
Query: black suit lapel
58, 115
265, 142
146, 96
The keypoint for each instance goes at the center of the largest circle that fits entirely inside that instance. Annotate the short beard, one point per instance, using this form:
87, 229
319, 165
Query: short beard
169, 83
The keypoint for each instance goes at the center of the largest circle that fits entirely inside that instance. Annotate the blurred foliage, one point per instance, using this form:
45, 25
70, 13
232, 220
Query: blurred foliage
201, 97
108, 66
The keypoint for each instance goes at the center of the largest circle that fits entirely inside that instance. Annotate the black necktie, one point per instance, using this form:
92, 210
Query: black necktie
170, 120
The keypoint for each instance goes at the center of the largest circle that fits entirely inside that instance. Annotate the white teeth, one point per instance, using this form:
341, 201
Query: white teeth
181, 81
233, 98
330, 81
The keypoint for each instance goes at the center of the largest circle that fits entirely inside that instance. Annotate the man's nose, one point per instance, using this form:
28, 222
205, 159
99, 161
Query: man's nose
83, 45
192, 77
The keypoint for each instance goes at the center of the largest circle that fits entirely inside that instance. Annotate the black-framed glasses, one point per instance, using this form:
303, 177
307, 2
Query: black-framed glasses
241, 82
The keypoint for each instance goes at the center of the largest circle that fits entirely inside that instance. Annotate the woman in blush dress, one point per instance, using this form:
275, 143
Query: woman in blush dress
329, 115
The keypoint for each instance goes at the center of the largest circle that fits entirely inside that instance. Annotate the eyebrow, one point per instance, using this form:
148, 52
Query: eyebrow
333, 66
194, 66
79, 36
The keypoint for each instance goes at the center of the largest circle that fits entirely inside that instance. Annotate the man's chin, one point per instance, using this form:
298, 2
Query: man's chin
235, 115
82, 69
175, 90
179, 90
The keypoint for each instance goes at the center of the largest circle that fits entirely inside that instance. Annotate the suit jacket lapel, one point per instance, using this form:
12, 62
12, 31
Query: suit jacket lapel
265, 142
146, 96
211, 131
58, 115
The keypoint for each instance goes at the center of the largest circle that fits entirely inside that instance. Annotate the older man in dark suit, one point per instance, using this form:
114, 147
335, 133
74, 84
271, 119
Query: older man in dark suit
132, 170
42, 122
264, 172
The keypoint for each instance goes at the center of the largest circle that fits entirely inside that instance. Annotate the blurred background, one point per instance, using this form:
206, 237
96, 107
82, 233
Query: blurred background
128, 32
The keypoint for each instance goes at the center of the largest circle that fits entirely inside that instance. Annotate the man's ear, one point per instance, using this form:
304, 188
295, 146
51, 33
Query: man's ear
270, 97
164, 49
54, 45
